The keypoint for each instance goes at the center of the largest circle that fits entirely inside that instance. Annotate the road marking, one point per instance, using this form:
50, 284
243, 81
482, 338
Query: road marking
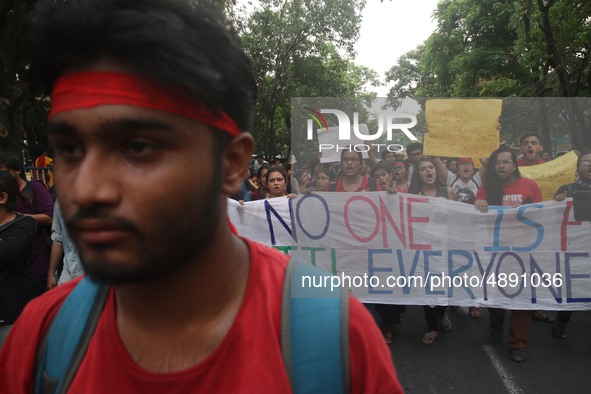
508, 380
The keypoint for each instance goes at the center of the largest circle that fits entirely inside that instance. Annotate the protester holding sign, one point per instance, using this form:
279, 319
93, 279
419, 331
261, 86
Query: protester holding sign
503, 185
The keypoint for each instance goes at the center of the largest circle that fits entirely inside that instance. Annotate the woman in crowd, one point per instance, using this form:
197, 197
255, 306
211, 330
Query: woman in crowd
276, 180
425, 182
302, 179
263, 191
16, 246
323, 180
252, 183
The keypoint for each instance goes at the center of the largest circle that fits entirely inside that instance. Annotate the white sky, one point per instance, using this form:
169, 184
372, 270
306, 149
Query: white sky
389, 29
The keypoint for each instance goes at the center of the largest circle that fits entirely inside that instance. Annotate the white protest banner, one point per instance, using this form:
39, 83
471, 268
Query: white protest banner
415, 250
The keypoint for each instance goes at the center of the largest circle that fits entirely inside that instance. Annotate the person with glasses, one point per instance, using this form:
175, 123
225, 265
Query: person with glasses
503, 185
350, 179
400, 176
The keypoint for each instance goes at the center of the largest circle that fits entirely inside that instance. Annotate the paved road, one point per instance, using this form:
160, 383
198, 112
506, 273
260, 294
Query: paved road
466, 360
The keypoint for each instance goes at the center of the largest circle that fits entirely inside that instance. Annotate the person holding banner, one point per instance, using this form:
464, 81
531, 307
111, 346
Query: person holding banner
351, 180
276, 179
504, 186
583, 183
531, 155
426, 182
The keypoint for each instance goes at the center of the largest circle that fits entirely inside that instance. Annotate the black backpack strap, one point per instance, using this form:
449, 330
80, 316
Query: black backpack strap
68, 337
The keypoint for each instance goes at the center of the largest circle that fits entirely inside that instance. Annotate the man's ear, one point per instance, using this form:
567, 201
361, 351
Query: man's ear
237, 157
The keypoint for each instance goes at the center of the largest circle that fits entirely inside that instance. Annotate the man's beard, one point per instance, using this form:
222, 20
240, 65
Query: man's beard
179, 240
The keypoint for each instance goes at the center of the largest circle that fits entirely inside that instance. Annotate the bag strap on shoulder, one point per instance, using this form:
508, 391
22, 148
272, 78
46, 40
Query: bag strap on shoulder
67, 339
314, 332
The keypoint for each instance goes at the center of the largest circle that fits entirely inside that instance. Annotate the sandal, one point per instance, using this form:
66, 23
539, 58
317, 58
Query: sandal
474, 312
543, 317
429, 338
559, 330
388, 334
445, 323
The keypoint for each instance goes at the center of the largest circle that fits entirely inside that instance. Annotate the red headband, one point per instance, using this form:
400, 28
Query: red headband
465, 160
90, 89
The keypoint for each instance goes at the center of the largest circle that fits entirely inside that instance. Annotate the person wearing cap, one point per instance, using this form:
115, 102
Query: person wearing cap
151, 105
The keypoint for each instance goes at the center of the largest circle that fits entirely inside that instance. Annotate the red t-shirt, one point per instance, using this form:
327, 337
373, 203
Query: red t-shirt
522, 163
363, 186
522, 191
248, 359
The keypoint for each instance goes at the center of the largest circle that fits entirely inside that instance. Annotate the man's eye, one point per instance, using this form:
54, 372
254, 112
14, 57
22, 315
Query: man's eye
140, 147
67, 150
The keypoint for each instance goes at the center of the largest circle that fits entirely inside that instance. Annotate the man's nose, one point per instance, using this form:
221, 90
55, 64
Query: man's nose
93, 182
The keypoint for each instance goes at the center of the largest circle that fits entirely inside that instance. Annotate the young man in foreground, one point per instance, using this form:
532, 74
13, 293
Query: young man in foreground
150, 103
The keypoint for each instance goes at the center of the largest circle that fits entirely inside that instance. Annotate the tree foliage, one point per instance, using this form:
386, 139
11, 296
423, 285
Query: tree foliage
525, 48
22, 114
300, 48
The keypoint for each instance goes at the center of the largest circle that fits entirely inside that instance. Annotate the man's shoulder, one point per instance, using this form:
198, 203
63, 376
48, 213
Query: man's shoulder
42, 309
17, 359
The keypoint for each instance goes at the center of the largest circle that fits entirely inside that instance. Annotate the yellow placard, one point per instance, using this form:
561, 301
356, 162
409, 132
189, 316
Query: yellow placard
462, 127
553, 174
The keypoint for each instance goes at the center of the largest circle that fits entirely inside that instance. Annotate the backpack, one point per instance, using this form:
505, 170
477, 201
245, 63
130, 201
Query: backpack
372, 183
314, 335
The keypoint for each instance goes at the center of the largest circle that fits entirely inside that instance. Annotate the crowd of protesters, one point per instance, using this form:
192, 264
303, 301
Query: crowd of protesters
497, 182
42, 255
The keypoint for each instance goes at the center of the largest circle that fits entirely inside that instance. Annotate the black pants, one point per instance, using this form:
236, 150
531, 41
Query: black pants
432, 316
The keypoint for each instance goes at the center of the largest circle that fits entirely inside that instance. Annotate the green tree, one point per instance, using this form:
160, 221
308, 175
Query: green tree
526, 48
22, 114
300, 48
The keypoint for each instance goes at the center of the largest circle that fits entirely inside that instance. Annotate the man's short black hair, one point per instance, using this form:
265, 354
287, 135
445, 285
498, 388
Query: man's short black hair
387, 152
530, 134
178, 44
381, 166
414, 146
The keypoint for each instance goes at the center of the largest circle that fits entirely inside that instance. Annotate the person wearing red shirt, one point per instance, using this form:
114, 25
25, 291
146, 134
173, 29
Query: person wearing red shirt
503, 186
150, 107
531, 148
351, 180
